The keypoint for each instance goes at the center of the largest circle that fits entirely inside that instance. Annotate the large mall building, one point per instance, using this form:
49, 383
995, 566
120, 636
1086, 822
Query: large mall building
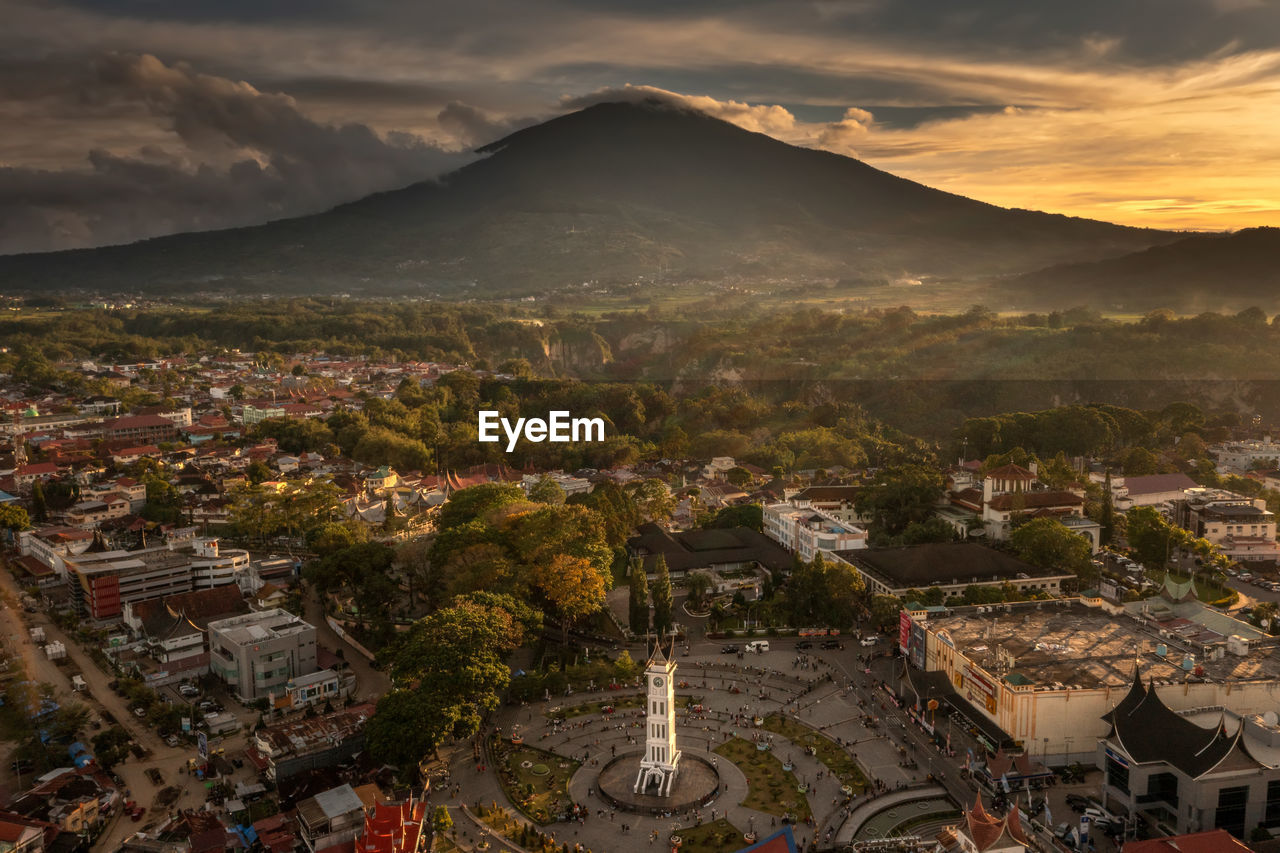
1043, 675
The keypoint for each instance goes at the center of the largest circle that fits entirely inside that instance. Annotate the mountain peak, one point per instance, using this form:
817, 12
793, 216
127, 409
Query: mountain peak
613, 117
610, 193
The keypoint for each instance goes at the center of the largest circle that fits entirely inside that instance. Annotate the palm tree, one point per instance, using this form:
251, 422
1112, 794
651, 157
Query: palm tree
699, 586
1264, 613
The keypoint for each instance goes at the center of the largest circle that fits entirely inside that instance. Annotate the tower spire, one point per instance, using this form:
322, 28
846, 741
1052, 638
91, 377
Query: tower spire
661, 758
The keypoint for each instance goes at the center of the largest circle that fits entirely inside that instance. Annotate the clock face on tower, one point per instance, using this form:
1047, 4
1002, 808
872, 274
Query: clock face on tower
657, 682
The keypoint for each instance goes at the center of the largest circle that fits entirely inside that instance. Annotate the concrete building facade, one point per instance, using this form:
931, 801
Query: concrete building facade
257, 654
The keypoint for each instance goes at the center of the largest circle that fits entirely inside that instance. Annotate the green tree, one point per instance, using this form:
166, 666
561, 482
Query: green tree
698, 585
743, 515
1264, 614
903, 495
441, 822
932, 529
547, 491
258, 472
335, 536
806, 591
448, 671
662, 597
653, 499
68, 721
475, 502
1046, 542
13, 517
981, 594
1150, 536
884, 610
573, 586
39, 506
111, 747
536, 533
845, 592
1107, 512
638, 603
618, 514
1139, 462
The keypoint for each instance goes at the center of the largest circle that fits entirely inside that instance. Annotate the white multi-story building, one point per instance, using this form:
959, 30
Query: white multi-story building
836, 501
1242, 527
570, 484
213, 565
805, 532
251, 414
1012, 492
91, 513
1241, 456
53, 545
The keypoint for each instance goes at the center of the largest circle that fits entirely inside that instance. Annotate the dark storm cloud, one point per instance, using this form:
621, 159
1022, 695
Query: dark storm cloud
245, 156
108, 151
1145, 30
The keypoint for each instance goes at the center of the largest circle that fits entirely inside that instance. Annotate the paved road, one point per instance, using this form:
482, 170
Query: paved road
370, 683
832, 707
99, 697
1256, 593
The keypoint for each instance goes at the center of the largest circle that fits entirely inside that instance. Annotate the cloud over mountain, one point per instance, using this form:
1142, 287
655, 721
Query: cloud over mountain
221, 153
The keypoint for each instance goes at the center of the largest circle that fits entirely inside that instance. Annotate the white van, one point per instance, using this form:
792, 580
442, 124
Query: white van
758, 646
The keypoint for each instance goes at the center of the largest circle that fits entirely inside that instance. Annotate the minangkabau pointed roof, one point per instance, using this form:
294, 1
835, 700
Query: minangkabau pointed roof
1131, 700
1150, 731
658, 659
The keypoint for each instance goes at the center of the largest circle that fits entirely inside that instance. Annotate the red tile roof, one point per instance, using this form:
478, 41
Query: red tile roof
986, 829
1034, 500
1011, 472
1214, 841
137, 422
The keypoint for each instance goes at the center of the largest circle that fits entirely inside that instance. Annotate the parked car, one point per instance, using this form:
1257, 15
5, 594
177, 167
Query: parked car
758, 646
189, 690
832, 644
1097, 815
803, 645
172, 740
871, 640
140, 712
729, 649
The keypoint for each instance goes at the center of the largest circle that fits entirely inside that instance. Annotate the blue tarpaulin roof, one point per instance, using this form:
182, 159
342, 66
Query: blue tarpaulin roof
781, 841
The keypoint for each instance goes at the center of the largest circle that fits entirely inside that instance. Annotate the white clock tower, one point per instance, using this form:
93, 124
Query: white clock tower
659, 765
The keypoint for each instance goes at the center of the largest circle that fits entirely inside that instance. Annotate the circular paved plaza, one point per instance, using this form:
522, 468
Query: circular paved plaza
696, 784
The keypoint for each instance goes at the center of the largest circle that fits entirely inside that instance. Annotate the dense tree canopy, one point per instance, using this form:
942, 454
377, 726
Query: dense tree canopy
1047, 543
447, 672
903, 495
